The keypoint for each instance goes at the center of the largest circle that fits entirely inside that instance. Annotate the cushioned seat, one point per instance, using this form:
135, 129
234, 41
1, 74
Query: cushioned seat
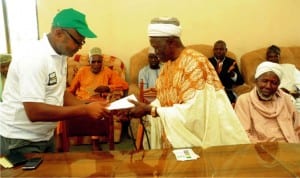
79, 60
250, 60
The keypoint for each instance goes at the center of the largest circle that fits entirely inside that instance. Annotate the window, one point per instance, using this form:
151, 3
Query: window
18, 23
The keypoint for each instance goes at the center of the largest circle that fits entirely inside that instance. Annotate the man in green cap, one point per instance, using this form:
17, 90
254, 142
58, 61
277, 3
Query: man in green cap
35, 97
4, 64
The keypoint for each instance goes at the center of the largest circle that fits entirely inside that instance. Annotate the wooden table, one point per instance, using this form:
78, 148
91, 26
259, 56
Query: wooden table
264, 160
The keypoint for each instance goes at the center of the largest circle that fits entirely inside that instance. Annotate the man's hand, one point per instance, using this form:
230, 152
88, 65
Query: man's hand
102, 89
140, 109
232, 67
97, 110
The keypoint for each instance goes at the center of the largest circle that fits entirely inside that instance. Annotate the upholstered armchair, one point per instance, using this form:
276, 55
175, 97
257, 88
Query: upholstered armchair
114, 63
79, 60
250, 60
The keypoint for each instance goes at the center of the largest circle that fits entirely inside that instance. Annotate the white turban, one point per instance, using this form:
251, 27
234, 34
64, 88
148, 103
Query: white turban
160, 29
267, 66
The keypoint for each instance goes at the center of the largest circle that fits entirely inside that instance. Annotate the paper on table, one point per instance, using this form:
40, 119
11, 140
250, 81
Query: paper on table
185, 154
12, 159
5, 163
122, 103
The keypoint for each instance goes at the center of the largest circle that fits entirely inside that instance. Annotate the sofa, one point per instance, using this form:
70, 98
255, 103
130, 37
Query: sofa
140, 59
250, 60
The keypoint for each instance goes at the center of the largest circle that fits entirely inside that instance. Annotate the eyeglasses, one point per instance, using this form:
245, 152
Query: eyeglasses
79, 43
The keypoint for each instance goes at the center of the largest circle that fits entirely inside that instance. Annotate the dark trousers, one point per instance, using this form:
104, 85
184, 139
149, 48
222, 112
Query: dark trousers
11, 145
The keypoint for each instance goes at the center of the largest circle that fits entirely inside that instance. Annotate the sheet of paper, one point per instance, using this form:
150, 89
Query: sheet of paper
122, 103
185, 154
5, 163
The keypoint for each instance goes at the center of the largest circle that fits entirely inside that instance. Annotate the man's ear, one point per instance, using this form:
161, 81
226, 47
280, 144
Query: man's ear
58, 32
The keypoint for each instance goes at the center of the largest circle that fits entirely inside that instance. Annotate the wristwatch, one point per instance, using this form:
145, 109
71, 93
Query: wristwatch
153, 111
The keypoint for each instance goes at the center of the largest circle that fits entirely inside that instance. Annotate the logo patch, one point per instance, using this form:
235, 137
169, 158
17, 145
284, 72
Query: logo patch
52, 79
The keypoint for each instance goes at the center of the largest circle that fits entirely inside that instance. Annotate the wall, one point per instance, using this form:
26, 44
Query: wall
121, 25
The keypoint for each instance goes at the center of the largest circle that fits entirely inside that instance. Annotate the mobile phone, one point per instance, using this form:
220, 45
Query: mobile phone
32, 163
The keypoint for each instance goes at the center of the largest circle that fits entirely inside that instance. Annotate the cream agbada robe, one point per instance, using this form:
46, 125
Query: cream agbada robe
193, 107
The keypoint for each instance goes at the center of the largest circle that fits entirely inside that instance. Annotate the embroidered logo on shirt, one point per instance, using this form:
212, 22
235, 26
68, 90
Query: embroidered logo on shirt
52, 79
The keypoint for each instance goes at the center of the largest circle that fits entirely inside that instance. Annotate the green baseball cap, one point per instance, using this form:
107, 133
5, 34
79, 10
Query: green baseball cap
71, 18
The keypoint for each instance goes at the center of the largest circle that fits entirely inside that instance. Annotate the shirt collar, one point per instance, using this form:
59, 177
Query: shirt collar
218, 60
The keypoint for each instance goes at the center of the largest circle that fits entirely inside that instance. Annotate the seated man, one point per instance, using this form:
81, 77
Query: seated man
150, 72
227, 69
291, 75
266, 112
92, 82
4, 64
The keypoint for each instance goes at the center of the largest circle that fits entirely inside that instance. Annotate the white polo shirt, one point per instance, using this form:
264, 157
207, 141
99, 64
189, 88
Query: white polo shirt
36, 74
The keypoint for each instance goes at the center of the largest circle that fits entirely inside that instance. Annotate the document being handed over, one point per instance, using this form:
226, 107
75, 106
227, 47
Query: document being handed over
122, 103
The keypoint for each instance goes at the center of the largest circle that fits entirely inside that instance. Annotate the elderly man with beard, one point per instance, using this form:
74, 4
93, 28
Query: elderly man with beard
92, 80
266, 112
191, 108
